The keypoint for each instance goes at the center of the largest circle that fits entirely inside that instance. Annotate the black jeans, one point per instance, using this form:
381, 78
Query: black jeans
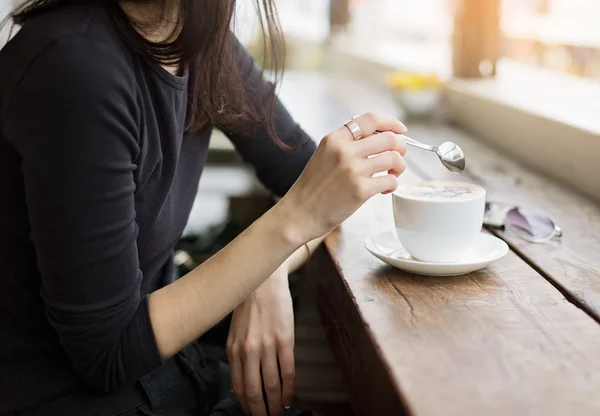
191, 383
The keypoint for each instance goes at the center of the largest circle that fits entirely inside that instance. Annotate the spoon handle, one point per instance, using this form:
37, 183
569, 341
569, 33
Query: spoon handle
416, 143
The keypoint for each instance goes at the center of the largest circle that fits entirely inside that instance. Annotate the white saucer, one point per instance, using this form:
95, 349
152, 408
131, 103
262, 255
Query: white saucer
388, 248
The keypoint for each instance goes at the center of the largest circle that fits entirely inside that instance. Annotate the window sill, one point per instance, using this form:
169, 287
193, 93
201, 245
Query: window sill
561, 97
545, 120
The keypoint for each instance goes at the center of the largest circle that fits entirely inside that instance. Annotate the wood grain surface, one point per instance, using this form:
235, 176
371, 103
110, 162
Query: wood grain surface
502, 341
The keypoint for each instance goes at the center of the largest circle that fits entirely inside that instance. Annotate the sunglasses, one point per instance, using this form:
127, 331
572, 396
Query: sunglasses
530, 225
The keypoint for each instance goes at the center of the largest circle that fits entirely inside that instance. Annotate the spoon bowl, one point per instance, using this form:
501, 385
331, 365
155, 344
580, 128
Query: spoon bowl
451, 156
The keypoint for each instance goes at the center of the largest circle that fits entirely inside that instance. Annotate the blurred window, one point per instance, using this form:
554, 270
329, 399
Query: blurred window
392, 32
562, 35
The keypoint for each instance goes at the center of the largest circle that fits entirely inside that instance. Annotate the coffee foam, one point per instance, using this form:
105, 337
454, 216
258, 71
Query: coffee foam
440, 191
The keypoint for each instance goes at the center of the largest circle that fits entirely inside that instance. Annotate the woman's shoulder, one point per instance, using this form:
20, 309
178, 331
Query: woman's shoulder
67, 40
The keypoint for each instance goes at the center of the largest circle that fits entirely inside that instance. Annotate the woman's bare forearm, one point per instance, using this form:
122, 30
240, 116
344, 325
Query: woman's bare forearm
335, 183
302, 255
188, 307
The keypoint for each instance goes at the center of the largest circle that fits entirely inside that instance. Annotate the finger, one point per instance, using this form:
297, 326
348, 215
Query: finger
379, 143
270, 373
287, 368
384, 163
253, 383
237, 377
382, 184
370, 123
395, 172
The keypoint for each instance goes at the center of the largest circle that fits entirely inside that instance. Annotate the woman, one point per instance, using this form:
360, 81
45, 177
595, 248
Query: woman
106, 110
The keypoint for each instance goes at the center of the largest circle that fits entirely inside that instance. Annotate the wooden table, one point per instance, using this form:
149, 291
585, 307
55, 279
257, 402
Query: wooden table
519, 338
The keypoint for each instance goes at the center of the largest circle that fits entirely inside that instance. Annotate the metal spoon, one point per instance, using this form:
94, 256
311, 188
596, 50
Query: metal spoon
449, 153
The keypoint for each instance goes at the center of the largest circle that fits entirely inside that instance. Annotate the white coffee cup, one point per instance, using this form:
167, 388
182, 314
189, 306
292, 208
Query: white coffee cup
439, 221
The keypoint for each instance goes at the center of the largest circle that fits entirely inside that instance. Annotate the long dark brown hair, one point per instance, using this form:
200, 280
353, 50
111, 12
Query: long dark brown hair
204, 43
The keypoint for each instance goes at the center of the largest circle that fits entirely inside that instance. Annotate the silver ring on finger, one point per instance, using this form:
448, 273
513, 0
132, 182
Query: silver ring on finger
354, 129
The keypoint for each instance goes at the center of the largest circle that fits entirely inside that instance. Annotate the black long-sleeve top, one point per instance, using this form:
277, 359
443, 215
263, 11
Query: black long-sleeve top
97, 180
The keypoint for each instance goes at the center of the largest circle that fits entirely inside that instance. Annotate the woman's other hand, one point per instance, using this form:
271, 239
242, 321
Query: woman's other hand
260, 347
